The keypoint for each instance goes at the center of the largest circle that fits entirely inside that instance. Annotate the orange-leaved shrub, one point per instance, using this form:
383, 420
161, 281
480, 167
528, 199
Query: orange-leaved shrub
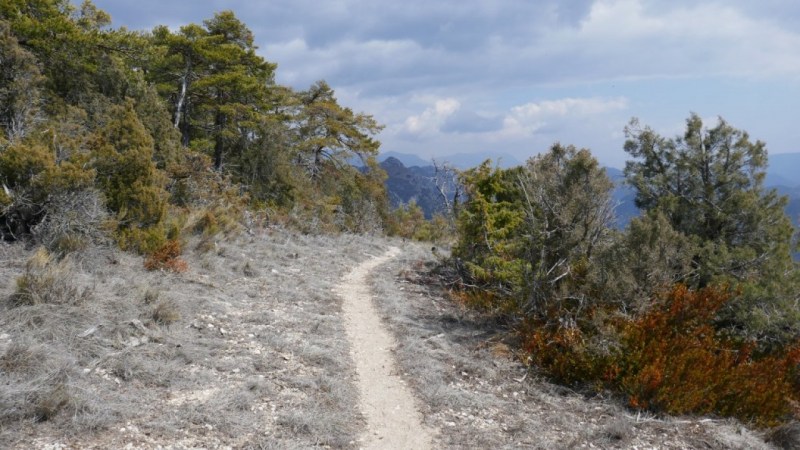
566, 354
676, 361
167, 257
673, 359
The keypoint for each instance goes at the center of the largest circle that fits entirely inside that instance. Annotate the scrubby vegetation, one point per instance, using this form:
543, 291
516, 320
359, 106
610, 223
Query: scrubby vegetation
690, 309
161, 141
141, 127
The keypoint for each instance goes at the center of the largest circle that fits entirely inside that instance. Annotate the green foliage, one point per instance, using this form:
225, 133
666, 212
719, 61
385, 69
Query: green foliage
216, 84
20, 86
279, 145
408, 221
534, 232
568, 213
123, 158
363, 204
265, 166
329, 134
30, 174
649, 257
488, 224
690, 309
21, 166
709, 185
138, 115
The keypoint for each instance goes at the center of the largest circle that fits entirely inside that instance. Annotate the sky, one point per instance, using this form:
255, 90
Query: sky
515, 76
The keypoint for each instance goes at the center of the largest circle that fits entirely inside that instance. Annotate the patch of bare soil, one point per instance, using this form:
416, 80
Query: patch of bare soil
475, 391
246, 349
393, 421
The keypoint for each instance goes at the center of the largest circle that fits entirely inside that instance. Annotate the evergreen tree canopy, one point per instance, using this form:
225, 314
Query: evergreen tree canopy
330, 133
216, 84
533, 232
709, 184
131, 115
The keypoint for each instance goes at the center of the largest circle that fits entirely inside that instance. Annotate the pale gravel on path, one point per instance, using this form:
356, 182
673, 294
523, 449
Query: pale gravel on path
393, 421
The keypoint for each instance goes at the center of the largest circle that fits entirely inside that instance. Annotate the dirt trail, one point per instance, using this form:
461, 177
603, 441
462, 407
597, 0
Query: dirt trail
393, 421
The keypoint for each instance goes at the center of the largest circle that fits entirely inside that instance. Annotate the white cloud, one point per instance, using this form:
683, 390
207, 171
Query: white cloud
633, 38
431, 120
452, 75
528, 118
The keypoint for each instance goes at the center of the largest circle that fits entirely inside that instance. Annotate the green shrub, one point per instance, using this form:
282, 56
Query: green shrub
207, 224
141, 240
32, 181
133, 186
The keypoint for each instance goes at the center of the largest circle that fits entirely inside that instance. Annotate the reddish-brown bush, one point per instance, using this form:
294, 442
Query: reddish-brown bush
673, 359
676, 361
167, 257
564, 354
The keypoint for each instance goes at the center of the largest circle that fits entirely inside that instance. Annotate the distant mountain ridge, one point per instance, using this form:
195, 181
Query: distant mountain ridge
407, 159
412, 178
415, 183
783, 170
460, 161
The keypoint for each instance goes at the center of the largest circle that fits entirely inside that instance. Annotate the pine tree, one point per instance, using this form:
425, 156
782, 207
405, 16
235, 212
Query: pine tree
708, 184
20, 86
329, 134
217, 86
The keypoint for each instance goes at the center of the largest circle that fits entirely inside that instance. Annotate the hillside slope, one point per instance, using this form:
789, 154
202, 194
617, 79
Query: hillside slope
255, 356
247, 349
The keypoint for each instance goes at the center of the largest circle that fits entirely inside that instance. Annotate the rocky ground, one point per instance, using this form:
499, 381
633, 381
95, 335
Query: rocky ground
248, 349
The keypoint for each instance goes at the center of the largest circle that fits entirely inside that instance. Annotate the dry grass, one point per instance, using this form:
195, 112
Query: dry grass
73, 222
786, 436
150, 296
479, 395
166, 312
22, 358
254, 355
46, 280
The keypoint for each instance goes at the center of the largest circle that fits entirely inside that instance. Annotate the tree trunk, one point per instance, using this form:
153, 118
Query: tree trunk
181, 105
181, 99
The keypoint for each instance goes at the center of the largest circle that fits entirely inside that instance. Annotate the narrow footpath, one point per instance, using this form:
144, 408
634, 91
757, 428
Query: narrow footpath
393, 421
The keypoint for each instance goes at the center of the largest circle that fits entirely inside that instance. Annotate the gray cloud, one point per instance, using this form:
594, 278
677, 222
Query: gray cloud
416, 44
463, 121
494, 55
